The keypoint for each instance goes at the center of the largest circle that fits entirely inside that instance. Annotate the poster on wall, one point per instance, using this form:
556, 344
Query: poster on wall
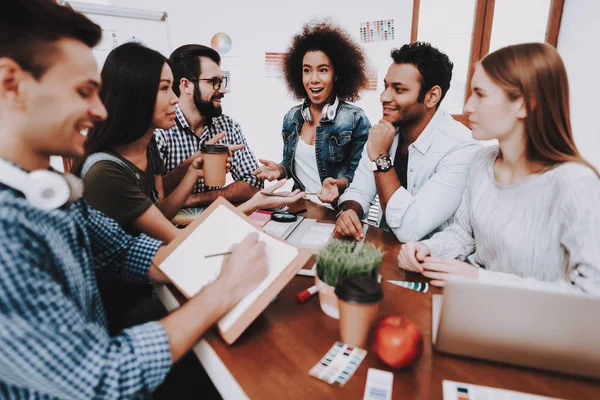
273, 64
371, 79
377, 31
227, 76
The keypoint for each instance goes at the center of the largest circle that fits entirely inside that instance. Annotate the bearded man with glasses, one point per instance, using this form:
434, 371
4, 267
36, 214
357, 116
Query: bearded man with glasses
200, 84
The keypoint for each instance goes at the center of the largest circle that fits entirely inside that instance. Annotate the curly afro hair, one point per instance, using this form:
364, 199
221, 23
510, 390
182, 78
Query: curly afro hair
349, 62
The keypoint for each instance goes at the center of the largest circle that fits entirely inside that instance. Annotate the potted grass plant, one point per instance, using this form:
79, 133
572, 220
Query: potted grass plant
343, 258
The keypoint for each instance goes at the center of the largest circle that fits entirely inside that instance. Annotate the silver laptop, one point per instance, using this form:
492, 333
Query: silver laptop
517, 325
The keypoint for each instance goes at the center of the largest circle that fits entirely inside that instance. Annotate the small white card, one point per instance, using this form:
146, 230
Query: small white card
379, 385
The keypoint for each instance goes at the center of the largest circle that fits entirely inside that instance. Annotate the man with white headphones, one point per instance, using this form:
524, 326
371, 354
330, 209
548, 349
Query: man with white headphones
53, 337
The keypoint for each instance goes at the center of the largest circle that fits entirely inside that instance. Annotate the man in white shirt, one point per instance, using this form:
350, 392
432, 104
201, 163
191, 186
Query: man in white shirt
417, 157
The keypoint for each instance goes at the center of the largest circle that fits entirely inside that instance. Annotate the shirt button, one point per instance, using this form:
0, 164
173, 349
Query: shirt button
411, 170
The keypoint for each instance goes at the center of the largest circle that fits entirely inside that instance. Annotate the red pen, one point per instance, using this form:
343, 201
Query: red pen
305, 294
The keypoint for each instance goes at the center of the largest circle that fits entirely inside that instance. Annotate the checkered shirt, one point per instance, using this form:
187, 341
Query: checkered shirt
175, 146
53, 338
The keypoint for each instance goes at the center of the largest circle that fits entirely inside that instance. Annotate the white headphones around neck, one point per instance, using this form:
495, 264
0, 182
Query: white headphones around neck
329, 111
44, 189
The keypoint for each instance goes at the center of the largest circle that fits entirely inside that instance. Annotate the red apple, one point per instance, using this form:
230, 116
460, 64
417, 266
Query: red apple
398, 341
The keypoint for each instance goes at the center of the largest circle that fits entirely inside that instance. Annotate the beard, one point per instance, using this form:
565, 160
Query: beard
207, 108
409, 116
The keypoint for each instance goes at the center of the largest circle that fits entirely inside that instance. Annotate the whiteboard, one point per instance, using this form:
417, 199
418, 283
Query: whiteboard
121, 25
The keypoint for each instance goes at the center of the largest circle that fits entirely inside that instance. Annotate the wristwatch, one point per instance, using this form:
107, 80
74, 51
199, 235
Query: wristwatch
381, 164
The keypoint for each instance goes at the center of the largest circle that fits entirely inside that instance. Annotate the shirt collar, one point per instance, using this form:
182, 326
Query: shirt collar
182, 124
426, 137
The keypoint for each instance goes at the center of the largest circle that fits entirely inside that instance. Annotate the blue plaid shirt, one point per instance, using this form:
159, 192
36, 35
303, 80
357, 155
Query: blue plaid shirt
53, 337
176, 145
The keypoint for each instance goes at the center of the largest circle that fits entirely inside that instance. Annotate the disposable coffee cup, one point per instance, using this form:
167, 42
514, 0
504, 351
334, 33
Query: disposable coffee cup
359, 299
214, 163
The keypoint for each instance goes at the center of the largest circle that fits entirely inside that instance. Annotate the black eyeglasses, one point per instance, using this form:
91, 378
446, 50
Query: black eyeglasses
216, 82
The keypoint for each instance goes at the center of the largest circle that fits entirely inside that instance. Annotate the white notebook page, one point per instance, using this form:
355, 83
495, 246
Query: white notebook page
190, 271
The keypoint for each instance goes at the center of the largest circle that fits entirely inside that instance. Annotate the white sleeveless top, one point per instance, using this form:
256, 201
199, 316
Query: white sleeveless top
305, 167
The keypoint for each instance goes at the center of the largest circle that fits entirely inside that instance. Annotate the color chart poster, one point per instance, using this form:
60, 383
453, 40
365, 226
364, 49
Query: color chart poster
273, 64
377, 31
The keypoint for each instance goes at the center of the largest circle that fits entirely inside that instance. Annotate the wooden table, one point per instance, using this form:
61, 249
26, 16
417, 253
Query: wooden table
272, 358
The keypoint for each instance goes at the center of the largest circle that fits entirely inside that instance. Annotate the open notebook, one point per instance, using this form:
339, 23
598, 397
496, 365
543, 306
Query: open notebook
218, 228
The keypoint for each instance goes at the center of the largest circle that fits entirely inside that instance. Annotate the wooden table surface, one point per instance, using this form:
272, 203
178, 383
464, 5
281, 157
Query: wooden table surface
272, 358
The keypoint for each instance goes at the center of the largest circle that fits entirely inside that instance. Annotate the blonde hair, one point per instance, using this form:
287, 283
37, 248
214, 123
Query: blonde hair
536, 73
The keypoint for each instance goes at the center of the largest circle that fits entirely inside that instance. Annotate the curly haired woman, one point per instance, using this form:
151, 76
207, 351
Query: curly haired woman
324, 136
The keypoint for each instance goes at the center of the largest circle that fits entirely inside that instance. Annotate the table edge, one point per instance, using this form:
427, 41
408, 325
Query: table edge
220, 376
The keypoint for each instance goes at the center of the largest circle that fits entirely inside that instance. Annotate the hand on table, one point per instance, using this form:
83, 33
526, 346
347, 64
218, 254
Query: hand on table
412, 255
440, 269
348, 224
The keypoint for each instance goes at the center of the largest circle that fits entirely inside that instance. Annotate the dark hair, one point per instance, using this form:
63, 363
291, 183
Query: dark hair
185, 62
435, 67
29, 29
349, 62
130, 80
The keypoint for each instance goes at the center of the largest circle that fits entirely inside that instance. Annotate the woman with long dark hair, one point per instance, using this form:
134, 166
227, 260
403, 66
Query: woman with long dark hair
122, 173
323, 137
529, 215
123, 170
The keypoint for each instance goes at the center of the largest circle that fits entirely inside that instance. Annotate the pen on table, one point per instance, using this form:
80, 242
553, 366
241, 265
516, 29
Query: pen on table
305, 294
217, 254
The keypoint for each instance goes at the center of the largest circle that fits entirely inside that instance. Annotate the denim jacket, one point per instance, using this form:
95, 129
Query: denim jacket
338, 144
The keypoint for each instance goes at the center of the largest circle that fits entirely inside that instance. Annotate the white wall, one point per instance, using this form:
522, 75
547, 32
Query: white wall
256, 102
578, 44
259, 103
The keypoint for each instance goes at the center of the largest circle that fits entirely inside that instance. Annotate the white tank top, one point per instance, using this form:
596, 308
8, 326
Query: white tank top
305, 167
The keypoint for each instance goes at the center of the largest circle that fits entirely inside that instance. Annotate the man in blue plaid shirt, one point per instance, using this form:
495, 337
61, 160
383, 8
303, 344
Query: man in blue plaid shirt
53, 337
200, 85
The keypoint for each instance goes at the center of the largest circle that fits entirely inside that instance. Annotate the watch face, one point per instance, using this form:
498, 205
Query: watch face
383, 163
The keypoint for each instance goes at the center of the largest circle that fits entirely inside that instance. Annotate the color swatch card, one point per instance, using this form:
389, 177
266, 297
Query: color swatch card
339, 364
464, 391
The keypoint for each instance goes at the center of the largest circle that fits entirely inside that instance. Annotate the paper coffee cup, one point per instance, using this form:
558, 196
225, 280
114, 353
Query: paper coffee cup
359, 298
214, 163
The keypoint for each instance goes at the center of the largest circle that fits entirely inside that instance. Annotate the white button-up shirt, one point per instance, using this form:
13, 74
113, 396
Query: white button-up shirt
438, 167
